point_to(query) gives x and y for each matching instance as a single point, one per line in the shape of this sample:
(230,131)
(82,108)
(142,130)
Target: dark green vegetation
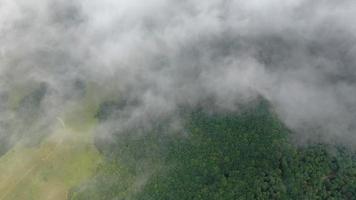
(219,156)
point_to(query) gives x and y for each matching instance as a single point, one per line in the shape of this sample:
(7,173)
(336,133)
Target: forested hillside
(234,155)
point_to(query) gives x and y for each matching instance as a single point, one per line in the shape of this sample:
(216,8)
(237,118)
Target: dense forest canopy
(243,155)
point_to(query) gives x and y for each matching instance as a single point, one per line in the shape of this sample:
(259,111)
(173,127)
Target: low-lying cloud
(299,55)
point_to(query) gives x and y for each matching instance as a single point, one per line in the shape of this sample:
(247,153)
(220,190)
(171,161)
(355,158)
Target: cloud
(297,54)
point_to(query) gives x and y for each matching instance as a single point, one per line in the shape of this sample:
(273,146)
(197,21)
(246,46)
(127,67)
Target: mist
(158,55)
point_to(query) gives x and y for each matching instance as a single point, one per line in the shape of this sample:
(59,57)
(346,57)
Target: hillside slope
(224,156)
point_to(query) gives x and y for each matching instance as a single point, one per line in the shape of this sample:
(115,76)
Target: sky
(159,54)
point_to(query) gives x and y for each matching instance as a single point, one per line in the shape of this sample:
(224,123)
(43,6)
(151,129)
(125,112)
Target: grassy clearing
(64,159)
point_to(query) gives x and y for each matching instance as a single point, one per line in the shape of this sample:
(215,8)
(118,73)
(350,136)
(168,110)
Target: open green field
(65,158)
(47,172)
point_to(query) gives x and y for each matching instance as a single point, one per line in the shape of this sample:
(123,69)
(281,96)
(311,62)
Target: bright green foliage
(221,156)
